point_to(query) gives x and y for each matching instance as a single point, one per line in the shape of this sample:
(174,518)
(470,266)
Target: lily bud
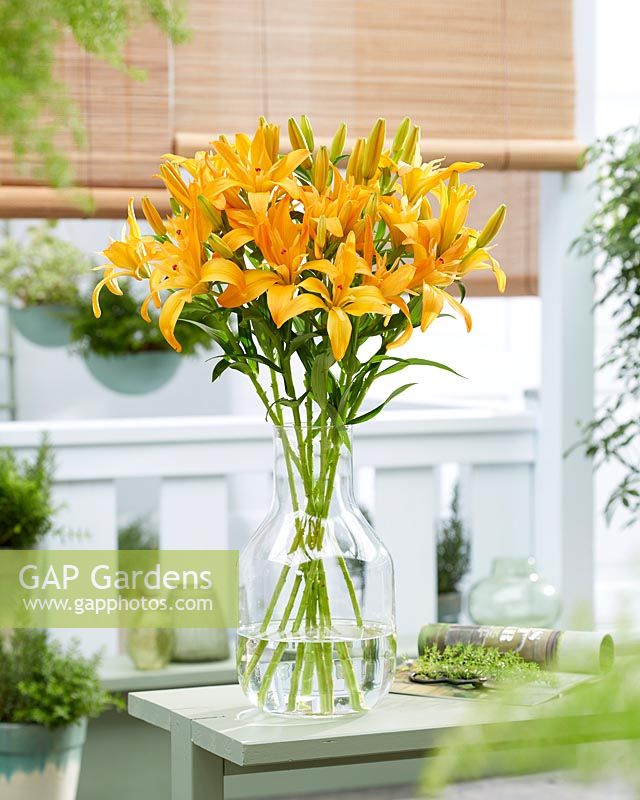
(262,121)
(401,135)
(153,218)
(307,132)
(295,135)
(373,149)
(426,212)
(337,145)
(220,247)
(272,140)
(210,211)
(490,230)
(411,145)
(321,233)
(354,164)
(454,180)
(321,169)
(371,209)
(345,213)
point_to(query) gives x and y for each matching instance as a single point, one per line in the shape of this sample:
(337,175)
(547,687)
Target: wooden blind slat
(488,80)
(491,75)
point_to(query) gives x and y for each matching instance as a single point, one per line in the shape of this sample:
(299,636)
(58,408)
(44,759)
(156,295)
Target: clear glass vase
(317,609)
(514,594)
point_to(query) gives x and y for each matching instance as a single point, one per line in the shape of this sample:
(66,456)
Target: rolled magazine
(563,651)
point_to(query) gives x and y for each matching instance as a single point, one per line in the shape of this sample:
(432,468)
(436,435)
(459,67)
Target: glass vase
(317,611)
(514,594)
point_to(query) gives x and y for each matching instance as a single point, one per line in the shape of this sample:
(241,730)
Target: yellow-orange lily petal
(339,330)
(171,310)
(297,306)
(432,303)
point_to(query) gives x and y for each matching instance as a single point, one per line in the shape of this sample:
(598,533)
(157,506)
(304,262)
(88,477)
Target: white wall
(617,105)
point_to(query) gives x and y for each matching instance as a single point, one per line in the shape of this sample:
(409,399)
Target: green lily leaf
(375,411)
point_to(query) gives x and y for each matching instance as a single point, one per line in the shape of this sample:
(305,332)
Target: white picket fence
(212,471)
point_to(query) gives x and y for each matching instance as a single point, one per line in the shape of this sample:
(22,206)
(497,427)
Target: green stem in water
(349,675)
(295,678)
(270,672)
(307,671)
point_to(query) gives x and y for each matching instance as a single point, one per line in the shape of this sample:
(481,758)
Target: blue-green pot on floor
(134,373)
(36,763)
(42,325)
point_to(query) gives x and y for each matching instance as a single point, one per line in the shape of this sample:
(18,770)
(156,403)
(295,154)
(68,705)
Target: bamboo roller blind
(490,80)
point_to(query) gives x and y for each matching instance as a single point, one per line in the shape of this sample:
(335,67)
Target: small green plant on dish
(467,662)
(121,330)
(42,270)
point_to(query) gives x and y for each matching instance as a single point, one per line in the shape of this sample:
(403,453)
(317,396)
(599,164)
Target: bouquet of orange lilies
(297,265)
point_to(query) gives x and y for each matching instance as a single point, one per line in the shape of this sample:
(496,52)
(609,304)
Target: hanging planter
(39,276)
(122,351)
(134,373)
(44,325)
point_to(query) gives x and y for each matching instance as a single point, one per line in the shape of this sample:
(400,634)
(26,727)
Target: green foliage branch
(613,233)
(34,104)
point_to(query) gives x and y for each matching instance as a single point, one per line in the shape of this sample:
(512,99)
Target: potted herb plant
(122,351)
(46,696)
(26,506)
(40,279)
(454,553)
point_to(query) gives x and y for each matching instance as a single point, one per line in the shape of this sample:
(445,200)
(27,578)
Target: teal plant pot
(45,326)
(37,763)
(136,373)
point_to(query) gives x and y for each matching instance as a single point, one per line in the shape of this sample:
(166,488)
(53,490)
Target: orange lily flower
(179,268)
(419,181)
(344,300)
(396,212)
(254,165)
(129,258)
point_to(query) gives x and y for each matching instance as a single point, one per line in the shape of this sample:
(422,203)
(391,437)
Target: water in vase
(325,673)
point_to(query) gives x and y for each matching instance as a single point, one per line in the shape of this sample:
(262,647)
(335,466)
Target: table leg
(195,773)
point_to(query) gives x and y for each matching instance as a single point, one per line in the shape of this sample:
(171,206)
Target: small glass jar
(514,594)
(150,648)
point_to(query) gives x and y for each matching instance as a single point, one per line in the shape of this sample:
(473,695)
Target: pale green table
(214,734)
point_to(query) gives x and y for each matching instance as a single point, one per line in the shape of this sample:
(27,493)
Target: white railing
(211,470)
